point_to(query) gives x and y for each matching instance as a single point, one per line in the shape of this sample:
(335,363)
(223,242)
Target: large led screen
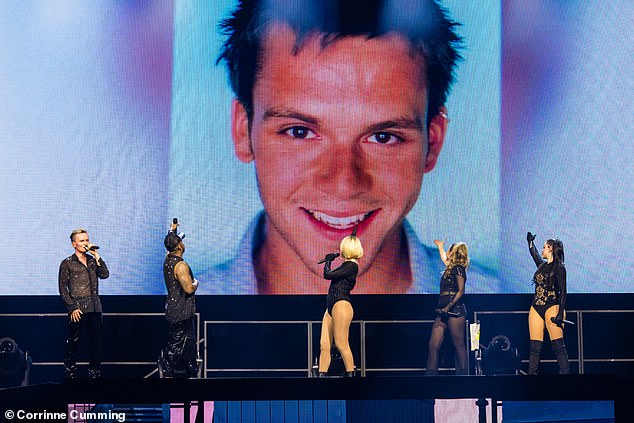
(118,116)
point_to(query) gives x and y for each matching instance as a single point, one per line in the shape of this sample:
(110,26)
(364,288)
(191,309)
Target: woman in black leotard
(547,308)
(338,316)
(451,312)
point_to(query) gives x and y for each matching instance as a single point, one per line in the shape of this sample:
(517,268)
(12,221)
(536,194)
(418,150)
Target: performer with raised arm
(339,312)
(547,308)
(78,282)
(451,312)
(180,306)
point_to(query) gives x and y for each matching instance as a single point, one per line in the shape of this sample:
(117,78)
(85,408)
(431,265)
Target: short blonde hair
(351,247)
(77,232)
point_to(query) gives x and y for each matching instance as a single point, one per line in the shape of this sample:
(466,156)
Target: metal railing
(115,363)
(579,314)
(310,353)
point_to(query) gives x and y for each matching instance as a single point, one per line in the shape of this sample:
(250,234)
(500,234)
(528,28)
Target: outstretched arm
(441,251)
(537,258)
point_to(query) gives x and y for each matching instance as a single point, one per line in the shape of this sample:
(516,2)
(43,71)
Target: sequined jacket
(79,284)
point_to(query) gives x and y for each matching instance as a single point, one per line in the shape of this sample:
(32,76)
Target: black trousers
(92,323)
(180,353)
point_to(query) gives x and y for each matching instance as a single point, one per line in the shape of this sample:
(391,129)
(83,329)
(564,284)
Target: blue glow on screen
(115,117)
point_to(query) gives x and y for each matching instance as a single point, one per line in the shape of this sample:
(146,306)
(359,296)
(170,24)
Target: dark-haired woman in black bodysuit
(547,308)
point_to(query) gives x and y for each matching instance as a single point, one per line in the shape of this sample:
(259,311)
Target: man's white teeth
(339,222)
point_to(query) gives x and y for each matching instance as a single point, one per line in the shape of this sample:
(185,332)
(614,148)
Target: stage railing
(40,340)
(418,332)
(595,343)
(589,324)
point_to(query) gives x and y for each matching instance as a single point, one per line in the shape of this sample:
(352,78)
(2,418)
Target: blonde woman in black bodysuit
(339,312)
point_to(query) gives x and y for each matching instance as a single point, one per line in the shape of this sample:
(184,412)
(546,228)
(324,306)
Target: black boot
(533,358)
(322,374)
(353,373)
(559,348)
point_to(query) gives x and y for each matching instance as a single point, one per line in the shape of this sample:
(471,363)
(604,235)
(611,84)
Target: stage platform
(501,388)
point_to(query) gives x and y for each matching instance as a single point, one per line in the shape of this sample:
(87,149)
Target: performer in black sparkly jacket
(547,308)
(451,312)
(78,283)
(338,316)
(180,354)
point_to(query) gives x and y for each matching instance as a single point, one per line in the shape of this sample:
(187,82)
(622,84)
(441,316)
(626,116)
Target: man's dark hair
(424,23)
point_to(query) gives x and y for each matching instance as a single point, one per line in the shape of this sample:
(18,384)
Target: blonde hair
(351,248)
(459,256)
(77,232)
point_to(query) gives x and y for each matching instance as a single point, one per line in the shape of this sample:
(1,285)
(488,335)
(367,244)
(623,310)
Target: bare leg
(342,313)
(325,341)
(435,341)
(554,331)
(457,330)
(535,325)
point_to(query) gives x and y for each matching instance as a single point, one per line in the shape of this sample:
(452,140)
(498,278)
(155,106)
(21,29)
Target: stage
(389,340)
(500,388)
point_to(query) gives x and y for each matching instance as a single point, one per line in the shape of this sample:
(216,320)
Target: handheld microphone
(449,313)
(568,322)
(325,259)
(92,247)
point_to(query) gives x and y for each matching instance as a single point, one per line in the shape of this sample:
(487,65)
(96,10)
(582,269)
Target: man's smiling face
(339,139)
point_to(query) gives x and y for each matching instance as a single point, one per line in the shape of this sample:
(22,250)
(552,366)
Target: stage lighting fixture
(500,357)
(15,365)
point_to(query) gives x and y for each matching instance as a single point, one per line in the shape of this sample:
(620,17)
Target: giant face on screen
(118,117)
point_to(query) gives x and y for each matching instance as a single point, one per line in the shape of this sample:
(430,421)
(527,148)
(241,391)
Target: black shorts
(458,308)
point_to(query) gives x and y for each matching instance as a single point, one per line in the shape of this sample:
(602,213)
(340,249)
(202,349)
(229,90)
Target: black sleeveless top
(179,305)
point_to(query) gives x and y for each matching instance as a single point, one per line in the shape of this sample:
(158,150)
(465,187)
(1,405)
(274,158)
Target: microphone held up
(329,257)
